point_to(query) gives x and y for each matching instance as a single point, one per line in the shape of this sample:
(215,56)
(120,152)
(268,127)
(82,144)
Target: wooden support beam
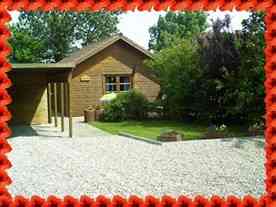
(49,102)
(68,90)
(65,100)
(58,77)
(62,105)
(55,104)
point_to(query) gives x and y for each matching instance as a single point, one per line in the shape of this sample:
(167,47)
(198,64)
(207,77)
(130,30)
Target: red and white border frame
(269,197)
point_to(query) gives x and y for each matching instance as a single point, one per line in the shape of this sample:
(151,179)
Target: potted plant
(89,114)
(98,112)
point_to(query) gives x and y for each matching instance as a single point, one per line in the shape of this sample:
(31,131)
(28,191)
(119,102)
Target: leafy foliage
(250,91)
(114,111)
(25,46)
(219,77)
(178,69)
(131,105)
(59,33)
(175,26)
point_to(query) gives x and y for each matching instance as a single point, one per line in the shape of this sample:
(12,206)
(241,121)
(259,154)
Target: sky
(135,25)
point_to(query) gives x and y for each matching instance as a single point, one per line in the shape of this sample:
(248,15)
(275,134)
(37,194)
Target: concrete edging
(255,139)
(140,138)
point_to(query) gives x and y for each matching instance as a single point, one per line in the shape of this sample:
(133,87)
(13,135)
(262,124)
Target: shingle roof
(92,49)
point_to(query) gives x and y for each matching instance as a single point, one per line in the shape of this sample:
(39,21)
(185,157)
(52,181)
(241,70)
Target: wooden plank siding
(29,94)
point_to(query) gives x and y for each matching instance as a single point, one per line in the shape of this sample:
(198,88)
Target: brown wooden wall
(119,58)
(29,97)
(145,85)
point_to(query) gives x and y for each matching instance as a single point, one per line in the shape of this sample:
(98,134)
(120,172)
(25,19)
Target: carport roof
(42,66)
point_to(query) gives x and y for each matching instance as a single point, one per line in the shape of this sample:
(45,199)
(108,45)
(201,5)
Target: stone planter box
(170,137)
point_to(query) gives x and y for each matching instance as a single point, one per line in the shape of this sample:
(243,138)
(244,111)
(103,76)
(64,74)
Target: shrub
(131,105)
(114,111)
(156,106)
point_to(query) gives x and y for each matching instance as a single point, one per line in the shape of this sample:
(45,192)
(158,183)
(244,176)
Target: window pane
(110,87)
(110,79)
(114,88)
(124,87)
(124,83)
(107,79)
(110,84)
(124,79)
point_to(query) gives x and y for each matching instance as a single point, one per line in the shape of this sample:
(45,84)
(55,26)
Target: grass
(152,129)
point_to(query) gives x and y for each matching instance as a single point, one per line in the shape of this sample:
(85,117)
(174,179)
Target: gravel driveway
(108,164)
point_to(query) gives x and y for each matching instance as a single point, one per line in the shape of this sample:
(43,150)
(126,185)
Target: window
(117,83)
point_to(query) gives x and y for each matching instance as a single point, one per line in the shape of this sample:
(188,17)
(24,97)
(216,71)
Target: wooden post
(55,104)
(65,100)
(49,101)
(62,105)
(69,109)
(117,83)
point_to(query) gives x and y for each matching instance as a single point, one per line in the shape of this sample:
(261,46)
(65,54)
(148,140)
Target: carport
(41,93)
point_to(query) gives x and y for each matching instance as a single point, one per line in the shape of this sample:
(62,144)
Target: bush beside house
(131,105)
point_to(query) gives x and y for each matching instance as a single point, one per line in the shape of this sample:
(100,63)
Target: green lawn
(152,129)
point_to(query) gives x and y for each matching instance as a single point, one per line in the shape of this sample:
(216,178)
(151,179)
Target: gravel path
(108,164)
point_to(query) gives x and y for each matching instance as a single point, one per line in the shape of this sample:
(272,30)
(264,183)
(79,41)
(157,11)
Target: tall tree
(250,93)
(220,63)
(26,48)
(219,54)
(60,32)
(175,26)
(178,70)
